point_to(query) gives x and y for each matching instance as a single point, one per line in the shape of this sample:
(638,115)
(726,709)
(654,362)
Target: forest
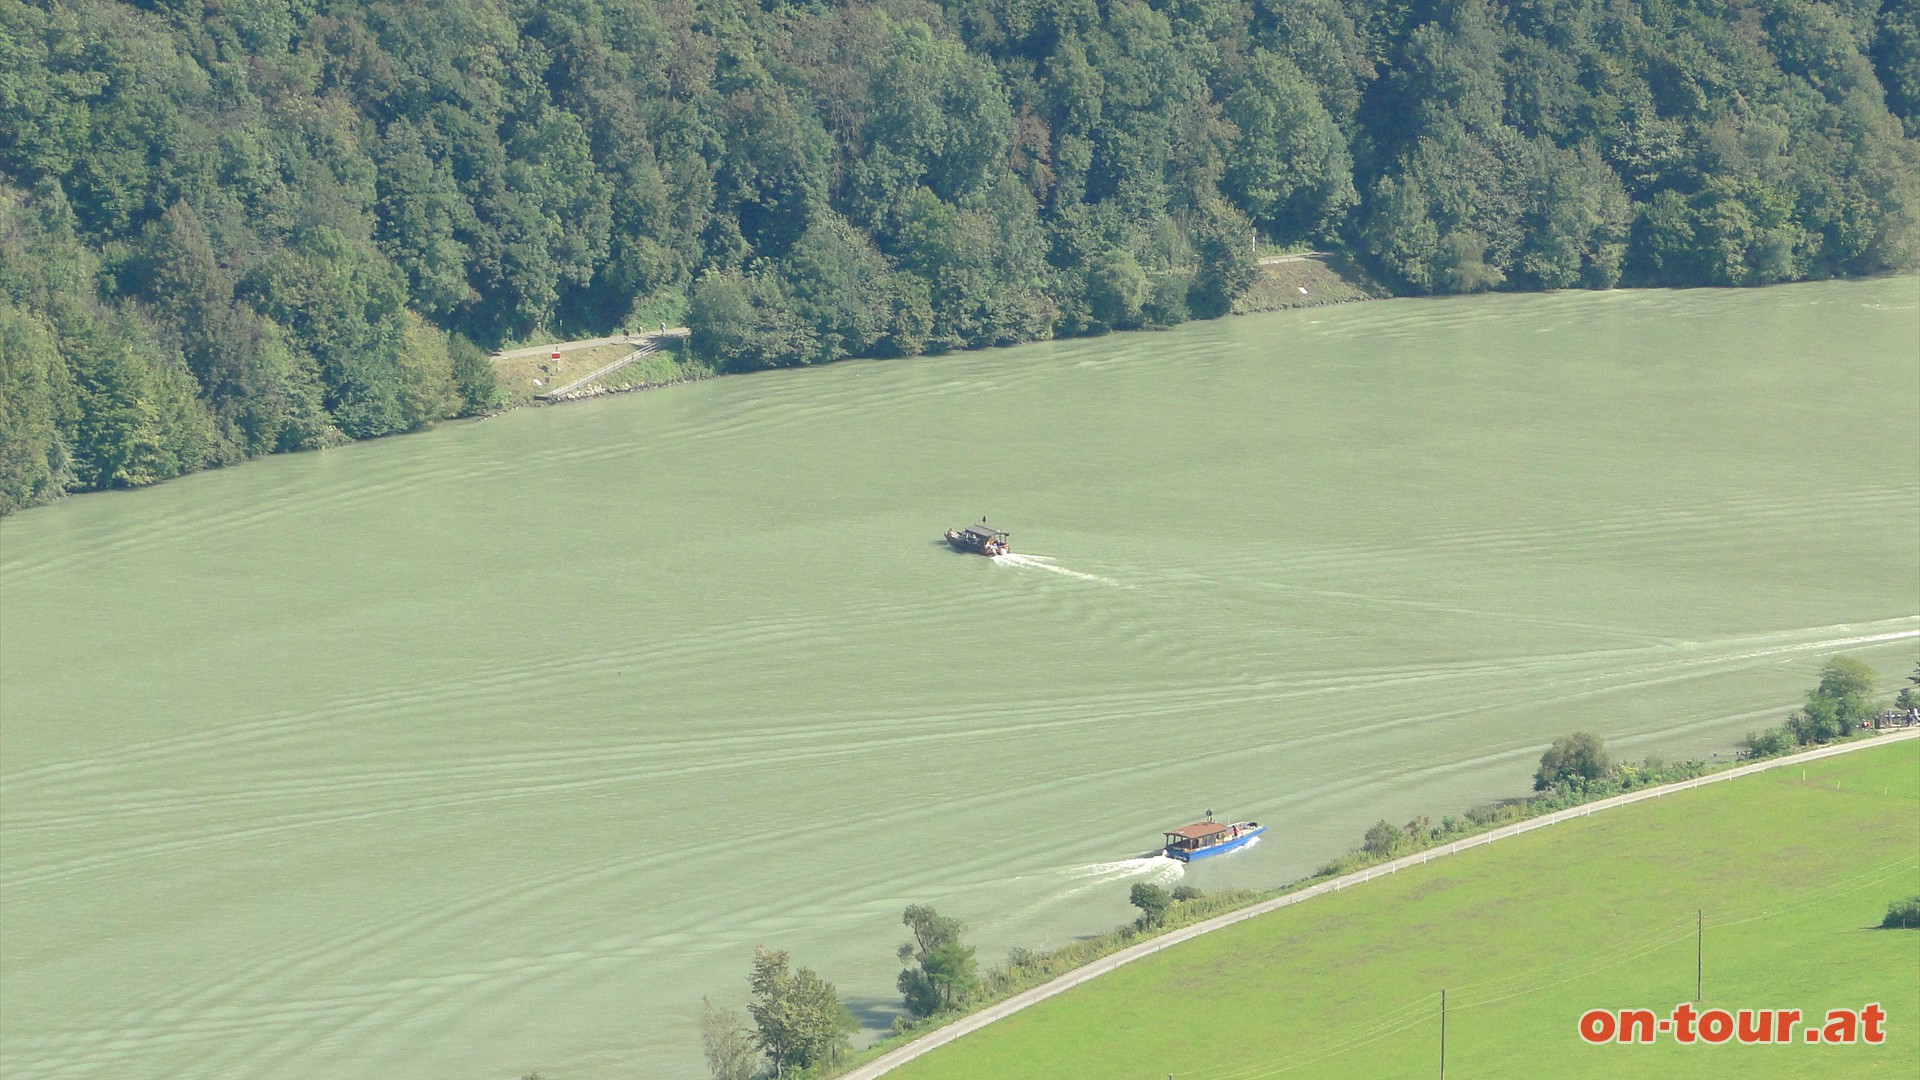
(235,227)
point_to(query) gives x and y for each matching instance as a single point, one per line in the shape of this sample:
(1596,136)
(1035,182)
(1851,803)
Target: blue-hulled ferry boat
(1204,838)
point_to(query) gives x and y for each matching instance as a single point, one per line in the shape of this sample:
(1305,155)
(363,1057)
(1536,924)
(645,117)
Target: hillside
(1790,872)
(233,228)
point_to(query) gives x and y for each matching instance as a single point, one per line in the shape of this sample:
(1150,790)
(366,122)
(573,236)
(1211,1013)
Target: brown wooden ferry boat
(981,539)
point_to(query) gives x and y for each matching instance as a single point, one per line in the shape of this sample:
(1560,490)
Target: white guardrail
(893,1059)
(645,350)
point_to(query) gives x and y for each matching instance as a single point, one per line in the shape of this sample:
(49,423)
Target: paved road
(590,343)
(1273,260)
(941,1036)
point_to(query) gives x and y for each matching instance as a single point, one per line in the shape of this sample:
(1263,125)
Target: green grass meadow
(1793,868)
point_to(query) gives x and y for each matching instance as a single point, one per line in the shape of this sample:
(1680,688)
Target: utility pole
(1699,950)
(1443,1035)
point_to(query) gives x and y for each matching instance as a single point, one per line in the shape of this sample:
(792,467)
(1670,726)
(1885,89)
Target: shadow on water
(297,668)
(873,1012)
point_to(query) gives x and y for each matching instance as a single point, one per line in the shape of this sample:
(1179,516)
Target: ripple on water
(497,748)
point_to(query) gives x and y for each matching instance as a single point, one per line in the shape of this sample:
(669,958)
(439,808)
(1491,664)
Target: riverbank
(525,375)
(1764,894)
(1314,279)
(892,1054)
(448,701)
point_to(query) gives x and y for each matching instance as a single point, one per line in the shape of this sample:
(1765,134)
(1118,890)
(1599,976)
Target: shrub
(1579,758)
(1836,708)
(1903,914)
(1769,743)
(1153,902)
(1381,838)
(1909,695)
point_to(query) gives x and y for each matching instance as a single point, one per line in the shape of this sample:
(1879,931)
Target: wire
(1416,1013)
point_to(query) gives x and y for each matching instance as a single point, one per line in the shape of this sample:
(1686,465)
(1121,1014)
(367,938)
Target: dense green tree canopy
(234,228)
(941,971)
(798,1019)
(1838,706)
(1153,901)
(1578,758)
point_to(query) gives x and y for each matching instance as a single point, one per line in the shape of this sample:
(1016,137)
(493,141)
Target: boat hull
(963,542)
(1209,852)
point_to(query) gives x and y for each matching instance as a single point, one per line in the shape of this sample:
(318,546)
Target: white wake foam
(1042,562)
(1158,868)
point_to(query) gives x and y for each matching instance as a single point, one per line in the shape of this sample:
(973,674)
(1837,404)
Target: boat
(1205,838)
(981,539)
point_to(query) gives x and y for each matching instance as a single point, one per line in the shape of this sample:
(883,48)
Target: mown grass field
(1793,868)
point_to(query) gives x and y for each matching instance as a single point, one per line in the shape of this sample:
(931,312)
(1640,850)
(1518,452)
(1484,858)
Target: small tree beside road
(1381,838)
(942,972)
(1836,709)
(1153,902)
(1579,758)
(797,1015)
(1838,706)
(728,1044)
(1769,743)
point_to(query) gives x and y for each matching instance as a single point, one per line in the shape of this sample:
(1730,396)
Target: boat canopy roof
(1199,830)
(983,529)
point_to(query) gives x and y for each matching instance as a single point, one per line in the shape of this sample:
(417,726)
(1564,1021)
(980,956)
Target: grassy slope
(1278,286)
(517,375)
(1527,934)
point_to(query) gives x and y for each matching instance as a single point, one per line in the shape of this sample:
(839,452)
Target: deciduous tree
(727,1043)
(1153,902)
(1836,708)
(798,1019)
(942,972)
(1572,759)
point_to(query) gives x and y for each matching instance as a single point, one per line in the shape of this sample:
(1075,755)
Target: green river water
(494,749)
